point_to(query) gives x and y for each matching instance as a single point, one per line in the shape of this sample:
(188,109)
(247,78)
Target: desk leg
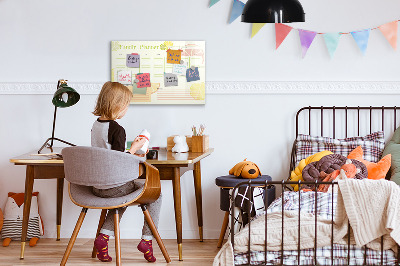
(60,190)
(176,182)
(27,206)
(197,189)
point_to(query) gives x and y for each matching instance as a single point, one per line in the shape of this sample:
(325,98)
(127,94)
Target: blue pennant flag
(361,37)
(332,41)
(213,2)
(237,9)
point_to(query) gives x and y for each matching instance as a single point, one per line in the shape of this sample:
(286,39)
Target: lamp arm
(54,126)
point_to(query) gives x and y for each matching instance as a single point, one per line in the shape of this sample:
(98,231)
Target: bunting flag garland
(361,37)
(332,41)
(281,31)
(256,27)
(237,9)
(306,39)
(389,30)
(213,2)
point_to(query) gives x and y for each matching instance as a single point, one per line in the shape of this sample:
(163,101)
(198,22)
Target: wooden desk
(171,167)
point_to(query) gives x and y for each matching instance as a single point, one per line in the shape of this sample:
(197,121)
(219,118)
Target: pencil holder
(200,143)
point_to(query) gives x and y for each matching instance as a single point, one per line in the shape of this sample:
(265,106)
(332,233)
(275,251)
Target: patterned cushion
(372,144)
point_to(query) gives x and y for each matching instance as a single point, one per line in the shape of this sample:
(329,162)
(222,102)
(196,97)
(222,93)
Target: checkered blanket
(324,206)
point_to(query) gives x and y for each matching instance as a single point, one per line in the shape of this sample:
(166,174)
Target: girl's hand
(142,155)
(137,144)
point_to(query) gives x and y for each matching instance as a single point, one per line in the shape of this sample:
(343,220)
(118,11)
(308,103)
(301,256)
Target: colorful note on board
(174,56)
(144,80)
(170,80)
(179,69)
(192,74)
(133,60)
(124,77)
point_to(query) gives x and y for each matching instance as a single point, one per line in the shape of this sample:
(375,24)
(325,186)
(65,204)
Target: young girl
(112,104)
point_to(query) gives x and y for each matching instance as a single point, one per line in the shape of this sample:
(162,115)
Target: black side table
(226,183)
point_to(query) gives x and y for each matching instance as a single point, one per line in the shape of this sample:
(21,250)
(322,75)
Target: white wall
(42,41)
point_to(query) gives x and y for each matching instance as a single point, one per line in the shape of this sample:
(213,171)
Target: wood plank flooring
(50,252)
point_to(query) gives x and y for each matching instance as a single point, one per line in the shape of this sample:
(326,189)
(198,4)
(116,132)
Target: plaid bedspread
(307,202)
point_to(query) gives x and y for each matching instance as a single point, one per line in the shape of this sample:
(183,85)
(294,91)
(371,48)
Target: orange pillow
(375,170)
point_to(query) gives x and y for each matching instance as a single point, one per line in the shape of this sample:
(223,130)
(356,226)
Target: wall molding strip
(231,87)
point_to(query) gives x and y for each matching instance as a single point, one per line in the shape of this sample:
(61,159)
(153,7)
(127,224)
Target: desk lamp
(273,11)
(64,96)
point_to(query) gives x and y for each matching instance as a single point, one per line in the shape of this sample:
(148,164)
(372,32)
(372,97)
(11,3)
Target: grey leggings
(154,208)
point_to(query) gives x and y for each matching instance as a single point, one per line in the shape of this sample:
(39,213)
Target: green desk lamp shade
(273,11)
(64,96)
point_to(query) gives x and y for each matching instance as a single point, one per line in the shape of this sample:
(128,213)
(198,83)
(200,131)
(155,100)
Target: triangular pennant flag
(256,27)
(306,39)
(237,9)
(332,41)
(213,2)
(281,31)
(361,37)
(389,30)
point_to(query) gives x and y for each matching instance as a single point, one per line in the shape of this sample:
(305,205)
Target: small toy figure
(246,169)
(180,144)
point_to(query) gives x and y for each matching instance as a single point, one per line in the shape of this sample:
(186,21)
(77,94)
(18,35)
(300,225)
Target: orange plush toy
(347,170)
(245,169)
(375,170)
(13,214)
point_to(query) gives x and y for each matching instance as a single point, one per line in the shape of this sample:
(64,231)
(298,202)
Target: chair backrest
(92,166)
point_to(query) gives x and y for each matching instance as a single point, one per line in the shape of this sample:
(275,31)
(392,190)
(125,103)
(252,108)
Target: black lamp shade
(65,96)
(273,11)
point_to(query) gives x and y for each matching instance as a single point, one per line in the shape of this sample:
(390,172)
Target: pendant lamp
(273,11)
(64,96)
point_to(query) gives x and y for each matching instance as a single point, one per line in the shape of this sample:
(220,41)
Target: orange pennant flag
(281,31)
(389,30)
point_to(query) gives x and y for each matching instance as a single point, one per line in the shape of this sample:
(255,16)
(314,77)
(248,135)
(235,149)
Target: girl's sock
(101,245)
(146,247)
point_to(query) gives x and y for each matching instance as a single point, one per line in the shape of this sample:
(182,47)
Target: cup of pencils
(199,140)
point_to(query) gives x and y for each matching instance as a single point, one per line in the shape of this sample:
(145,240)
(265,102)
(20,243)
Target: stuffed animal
(13,215)
(375,170)
(180,144)
(245,169)
(348,170)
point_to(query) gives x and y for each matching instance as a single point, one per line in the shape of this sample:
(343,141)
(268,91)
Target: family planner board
(160,72)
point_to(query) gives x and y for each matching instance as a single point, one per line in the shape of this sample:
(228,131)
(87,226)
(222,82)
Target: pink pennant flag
(306,39)
(281,31)
(389,30)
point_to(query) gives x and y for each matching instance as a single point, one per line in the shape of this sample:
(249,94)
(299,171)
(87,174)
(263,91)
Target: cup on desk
(152,155)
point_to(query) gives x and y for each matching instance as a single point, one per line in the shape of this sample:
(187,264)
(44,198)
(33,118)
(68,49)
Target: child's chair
(85,167)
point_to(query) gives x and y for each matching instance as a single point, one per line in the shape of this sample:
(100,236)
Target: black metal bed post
(283,211)
(333,192)
(298,238)
(266,220)
(315,221)
(249,220)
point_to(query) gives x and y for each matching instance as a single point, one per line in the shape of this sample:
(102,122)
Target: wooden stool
(226,183)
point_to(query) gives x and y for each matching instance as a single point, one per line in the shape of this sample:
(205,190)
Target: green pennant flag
(213,2)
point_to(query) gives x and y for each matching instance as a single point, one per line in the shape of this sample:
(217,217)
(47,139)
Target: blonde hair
(112,99)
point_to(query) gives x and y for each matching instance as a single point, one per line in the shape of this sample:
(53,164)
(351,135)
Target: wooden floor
(50,252)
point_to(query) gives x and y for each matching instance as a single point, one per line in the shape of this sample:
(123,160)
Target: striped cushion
(13,228)
(372,145)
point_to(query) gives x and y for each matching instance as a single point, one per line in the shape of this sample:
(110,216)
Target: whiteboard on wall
(160,72)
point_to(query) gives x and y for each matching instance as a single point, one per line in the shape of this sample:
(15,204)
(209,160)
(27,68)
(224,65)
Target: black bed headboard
(344,121)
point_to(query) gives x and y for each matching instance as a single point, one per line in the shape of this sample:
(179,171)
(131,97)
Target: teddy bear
(13,215)
(245,169)
(180,144)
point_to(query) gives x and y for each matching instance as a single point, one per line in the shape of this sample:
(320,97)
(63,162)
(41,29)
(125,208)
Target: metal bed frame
(283,184)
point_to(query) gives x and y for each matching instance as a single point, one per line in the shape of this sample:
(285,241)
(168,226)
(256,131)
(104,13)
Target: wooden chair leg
(154,230)
(117,238)
(223,229)
(73,237)
(101,222)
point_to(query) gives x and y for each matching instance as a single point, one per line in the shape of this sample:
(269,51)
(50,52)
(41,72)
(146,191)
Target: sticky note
(133,60)
(170,80)
(179,69)
(144,80)
(174,56)
(125,77)
(192,75)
